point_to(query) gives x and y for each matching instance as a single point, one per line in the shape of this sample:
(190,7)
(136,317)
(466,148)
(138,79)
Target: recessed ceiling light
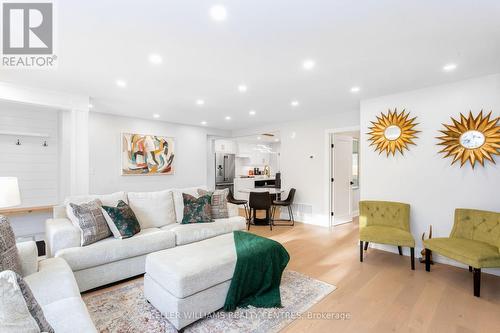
(276,140)
(252,112)
(355,89)
(258,138)
(155,59)
(203,122)
(449,67)
(218,13)
(242,88)
(294,103)
(91,106)
(227,118)
(156,116)
(121,83)
(200,102)
(308,64)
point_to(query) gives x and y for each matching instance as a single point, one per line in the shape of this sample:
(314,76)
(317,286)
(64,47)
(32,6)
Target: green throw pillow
(197,210)
(121,220)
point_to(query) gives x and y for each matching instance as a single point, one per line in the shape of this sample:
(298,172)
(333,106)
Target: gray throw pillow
(218,202)
(19,310)
(91,221)
(9,257)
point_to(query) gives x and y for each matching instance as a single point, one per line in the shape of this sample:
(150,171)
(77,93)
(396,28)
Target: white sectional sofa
(110,260)
(55,289)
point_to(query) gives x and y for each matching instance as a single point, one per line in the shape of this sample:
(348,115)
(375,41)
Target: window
(355,164)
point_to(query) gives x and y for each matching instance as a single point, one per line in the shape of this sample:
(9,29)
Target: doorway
(344,176)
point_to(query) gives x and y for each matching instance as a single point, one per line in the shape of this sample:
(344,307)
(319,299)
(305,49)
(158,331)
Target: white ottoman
(186,283)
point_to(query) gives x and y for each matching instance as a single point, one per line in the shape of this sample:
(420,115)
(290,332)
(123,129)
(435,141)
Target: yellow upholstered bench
(474,241)
(385,222)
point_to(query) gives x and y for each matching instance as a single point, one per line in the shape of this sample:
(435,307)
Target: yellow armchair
(474,241)
(385,222)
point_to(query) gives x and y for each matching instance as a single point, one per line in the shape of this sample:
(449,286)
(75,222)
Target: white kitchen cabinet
(240,184)
(225,146)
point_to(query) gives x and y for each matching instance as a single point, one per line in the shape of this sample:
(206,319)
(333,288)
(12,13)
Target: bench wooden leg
(470,268)
(428,260)
(361,251)
(400,250)
(366,245)
(477,281)
(412,255)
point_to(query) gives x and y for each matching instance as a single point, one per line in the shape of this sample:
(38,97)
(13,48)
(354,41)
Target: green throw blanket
(259,265)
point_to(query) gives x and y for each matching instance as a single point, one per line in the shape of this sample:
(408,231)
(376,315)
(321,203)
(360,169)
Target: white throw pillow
(179,200)
(14,312)
(106,199)
(153,209)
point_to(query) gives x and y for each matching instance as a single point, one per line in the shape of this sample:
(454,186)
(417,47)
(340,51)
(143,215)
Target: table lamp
(9,192)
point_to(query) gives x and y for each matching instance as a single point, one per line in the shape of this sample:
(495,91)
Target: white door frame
(329,156)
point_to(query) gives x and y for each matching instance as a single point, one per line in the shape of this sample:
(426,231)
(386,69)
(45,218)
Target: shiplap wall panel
(36,166)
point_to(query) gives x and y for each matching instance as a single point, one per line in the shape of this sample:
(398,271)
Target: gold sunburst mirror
(472,139)
(393,132)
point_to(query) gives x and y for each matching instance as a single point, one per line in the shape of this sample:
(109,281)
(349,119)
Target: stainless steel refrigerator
(224,171)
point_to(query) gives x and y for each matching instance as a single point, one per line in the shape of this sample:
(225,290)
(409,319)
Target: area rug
(125,309)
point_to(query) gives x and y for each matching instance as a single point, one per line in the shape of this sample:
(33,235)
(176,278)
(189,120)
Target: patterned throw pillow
(196,210)
(19,310)
(91,222)
(122,220)
(218,202)
(9,257)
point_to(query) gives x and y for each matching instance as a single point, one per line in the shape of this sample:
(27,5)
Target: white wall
(301,140)
(105,154)
(35,166)
(421,177)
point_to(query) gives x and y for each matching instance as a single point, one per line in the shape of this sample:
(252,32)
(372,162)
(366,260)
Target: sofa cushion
(386,235)
(179,200)
(121,220)
(91,221)
(204,264)
(153,209)
(19,310)
(53,281)
(106,199)
(473,253)
(9,257)
(69,315)
(218,202)
(112,249)
(14,313)
(190,233)
(196,210)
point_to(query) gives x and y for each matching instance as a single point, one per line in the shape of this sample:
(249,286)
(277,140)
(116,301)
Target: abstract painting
(147,154)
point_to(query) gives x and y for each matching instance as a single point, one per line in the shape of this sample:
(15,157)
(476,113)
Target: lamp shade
(9,192)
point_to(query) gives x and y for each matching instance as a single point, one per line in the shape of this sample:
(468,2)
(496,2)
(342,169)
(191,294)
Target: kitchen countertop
(257,177)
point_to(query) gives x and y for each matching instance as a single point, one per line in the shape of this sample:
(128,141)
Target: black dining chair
(237,202)
(288,202)
(260,201)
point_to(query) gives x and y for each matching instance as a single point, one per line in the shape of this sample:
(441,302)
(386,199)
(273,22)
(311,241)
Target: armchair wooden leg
(428,260)
(412,255)
(366,245)
(477,281)
(361,251)
(400,250)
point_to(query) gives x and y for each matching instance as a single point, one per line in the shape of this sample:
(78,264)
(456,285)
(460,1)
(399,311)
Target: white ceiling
(382,46)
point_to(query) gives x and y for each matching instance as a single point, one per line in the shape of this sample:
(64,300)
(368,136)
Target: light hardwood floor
(382,294)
